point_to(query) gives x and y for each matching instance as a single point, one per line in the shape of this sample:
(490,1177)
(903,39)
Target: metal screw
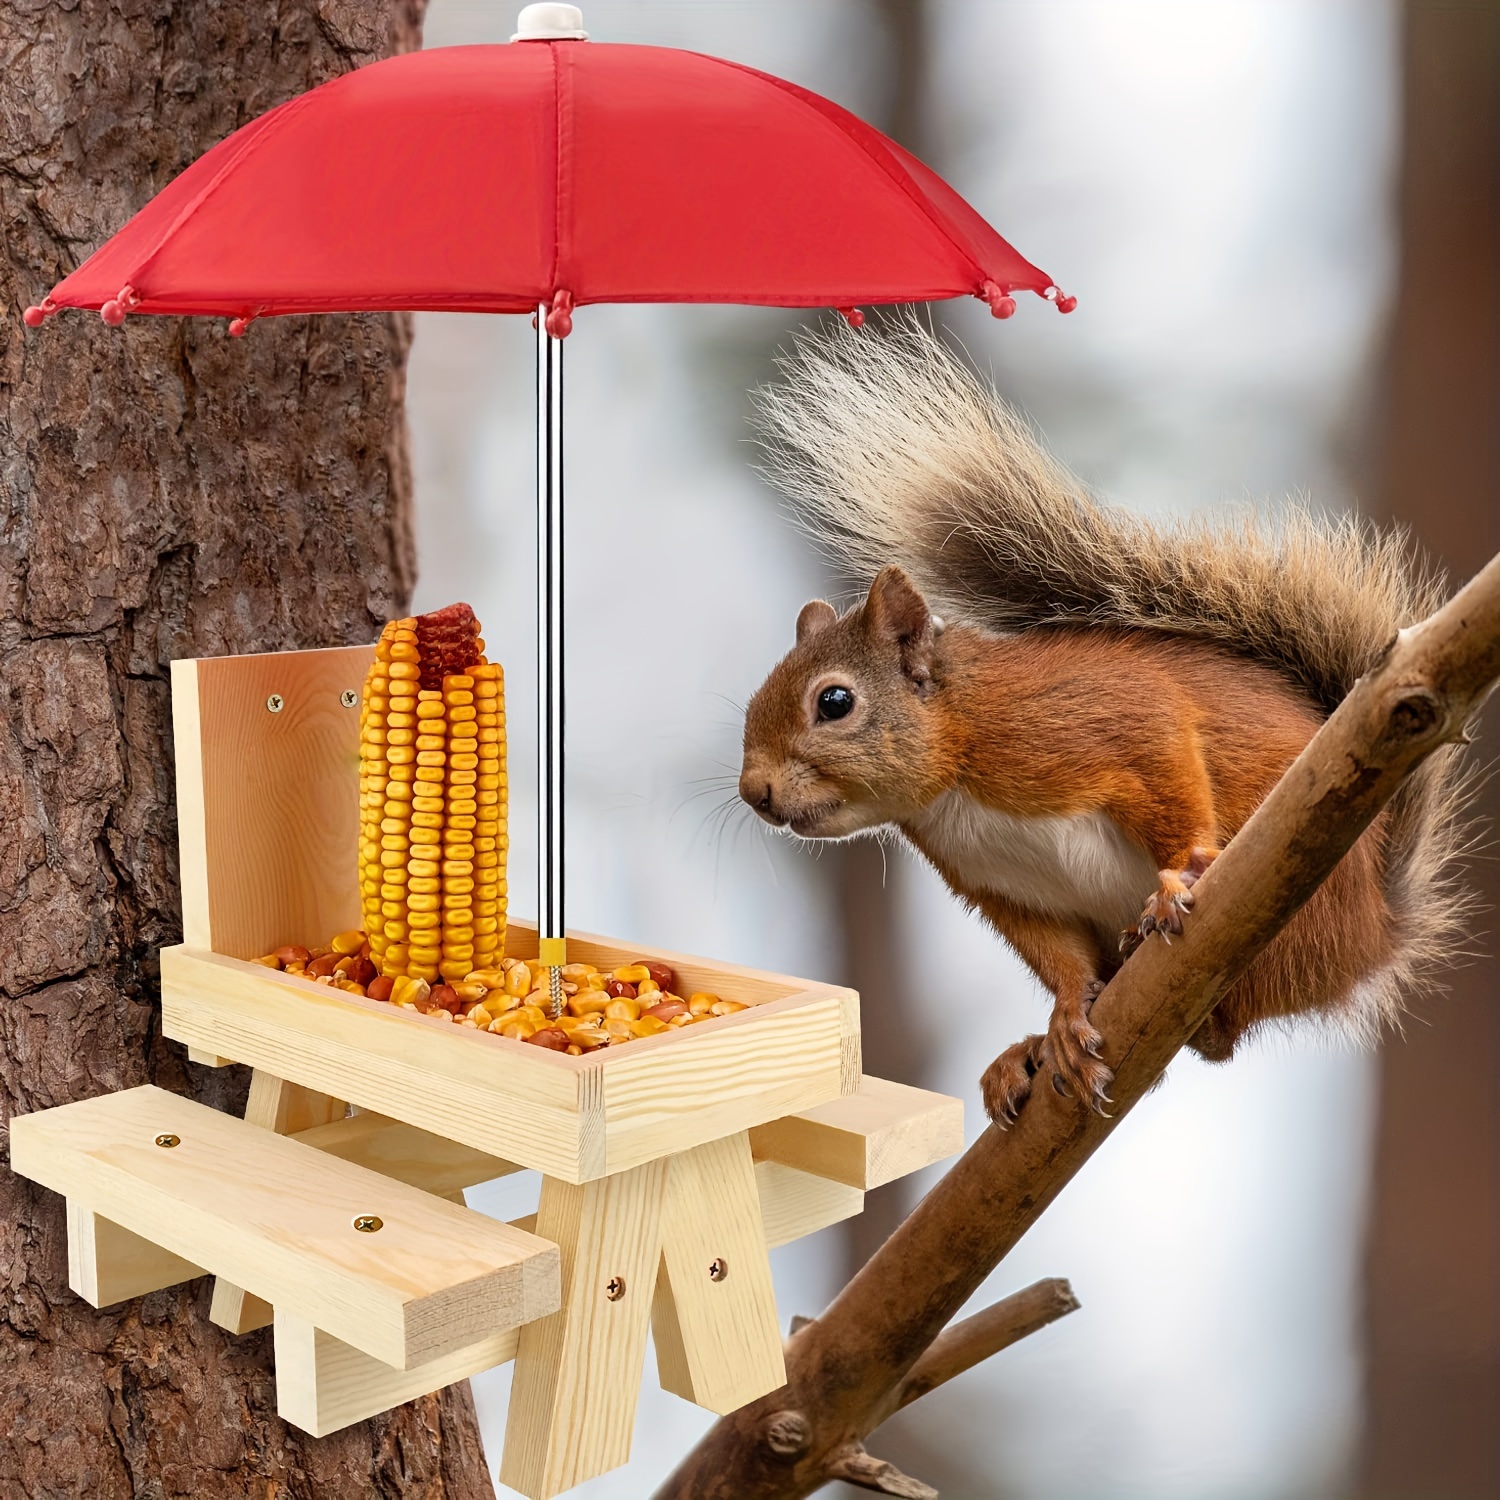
(368,1223)
(168,1140)
(349,698)
(614,1288)
(275,703)
(718,1268)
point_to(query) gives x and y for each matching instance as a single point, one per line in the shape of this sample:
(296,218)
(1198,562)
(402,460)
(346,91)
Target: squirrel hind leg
(1067,1056)
(1071,1054)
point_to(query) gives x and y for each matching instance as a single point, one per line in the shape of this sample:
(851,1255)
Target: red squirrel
(1095,711)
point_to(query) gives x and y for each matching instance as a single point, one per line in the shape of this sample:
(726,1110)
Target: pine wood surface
(578,1372)
(717,1341)
(107,1264)
(324,1384)
(572,1118)
(273,1104)
(794,1204)
(395,1149)
(268,806)
(278,1218)
(884,1131)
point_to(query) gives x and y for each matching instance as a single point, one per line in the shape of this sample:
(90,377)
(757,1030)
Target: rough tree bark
(165,492)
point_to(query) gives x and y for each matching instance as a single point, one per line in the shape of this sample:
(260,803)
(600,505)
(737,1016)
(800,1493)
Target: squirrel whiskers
(1111,699)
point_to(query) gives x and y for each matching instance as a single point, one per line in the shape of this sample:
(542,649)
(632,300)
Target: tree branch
(843,1368)
(966,1344)
(854,1466)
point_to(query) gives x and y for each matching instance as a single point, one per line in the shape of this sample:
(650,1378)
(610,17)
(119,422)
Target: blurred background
(1280,219)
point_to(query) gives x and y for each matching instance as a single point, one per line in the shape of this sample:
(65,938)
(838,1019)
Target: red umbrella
(539,178)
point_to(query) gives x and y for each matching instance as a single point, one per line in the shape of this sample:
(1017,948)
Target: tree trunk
(1432,1313)
(166,492)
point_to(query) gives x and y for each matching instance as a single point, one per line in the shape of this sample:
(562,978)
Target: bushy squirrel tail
(892,450)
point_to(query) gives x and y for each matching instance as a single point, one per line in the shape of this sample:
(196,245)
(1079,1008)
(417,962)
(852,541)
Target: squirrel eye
(834,702)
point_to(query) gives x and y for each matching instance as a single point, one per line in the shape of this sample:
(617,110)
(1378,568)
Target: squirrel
(1069,710)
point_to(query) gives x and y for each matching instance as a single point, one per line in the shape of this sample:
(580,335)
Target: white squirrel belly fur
(1079,867)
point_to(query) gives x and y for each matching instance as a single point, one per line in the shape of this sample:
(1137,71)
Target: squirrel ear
(816,615)
(895,611)
(896,614)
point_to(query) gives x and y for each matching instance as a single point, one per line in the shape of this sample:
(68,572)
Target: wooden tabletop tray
(576,1118)
(267,786)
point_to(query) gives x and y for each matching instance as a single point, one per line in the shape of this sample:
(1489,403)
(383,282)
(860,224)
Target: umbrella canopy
(497,178)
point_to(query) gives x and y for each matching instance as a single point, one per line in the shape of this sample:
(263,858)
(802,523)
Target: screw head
(718,1268)
(275,703)
(349,698)
(368,1223)
(614,1288)
(167,1139)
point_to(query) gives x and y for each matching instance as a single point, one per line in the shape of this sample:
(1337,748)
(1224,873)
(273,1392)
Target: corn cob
(432,800)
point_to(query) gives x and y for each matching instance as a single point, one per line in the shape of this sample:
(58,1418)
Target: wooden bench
(161,1189)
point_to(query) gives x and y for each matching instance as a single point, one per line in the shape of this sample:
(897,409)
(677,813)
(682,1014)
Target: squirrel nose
(756,790)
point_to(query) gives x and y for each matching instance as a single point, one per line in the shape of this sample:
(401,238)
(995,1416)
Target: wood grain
(885,1131)
(794,1204)
(324,1384)
(108,1264)
(717,1339)
(268,808)
(578,1372)
(273,1104)
(572,1118)
(277,1217)
(394,1149)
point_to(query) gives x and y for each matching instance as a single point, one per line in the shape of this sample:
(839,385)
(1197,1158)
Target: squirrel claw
(1073,1052)
(1007,1081)
(1166,909)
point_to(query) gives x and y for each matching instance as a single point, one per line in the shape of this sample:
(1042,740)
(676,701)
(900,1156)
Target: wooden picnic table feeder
(334,1210)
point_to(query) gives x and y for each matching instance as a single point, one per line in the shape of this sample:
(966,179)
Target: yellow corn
(432,839)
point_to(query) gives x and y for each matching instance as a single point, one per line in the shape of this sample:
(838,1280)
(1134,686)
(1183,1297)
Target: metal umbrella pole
(551,947)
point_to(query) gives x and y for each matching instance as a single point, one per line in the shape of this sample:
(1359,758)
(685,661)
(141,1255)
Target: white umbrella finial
(550,23)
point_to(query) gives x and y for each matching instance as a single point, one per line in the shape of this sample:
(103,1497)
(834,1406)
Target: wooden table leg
(274,1104)
(107,1263)
(578,1372)
(714,1314)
